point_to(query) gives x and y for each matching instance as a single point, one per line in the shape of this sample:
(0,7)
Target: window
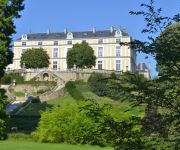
(99,65)
(100,41)
(55,42)
(100,51)
(69,42)
(118,51)
(118,65)
(55,53)
(24,50)
(54,65)
(23,43)
(118,41)
(40,43)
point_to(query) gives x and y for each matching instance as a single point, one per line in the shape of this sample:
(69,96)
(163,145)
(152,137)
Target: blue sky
(79,15)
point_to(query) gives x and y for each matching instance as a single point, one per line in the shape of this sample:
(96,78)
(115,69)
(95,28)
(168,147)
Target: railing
(65,71)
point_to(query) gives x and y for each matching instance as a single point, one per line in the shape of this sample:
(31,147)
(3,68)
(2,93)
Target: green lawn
(19,94)
(27,124)
(125,108)
(28,145)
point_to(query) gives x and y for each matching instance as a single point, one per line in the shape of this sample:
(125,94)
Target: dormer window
(69,35)
(23,43)
(39,43)
(100,41)
(24,37)
(55,42)
(118,33)
(69,42)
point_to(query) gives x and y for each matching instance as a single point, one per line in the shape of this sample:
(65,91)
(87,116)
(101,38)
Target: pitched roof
(76,35)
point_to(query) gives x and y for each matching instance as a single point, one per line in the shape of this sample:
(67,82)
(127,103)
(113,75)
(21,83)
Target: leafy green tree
(162,93)
(168,51)
(3,115)
(81,55)
(9,10)
(35,58)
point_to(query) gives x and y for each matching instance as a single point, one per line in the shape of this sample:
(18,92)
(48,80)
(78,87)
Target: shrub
(47,83)
(87,122)
(9,77)
(73,91)
(3,115)
(6,80)
(42,91)
(68,123)
(98,84)
(35,100)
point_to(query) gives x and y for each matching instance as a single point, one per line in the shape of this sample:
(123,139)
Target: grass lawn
(122,110)
(125,108)
(19,94)
(28,145)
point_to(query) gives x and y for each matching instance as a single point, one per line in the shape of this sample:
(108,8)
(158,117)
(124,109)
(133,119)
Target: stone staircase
(57,91)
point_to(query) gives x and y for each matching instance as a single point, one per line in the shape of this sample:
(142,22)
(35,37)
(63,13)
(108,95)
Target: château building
(144,70)
(110,55)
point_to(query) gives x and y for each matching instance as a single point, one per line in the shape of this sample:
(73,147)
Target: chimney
(65,31)
(94,30)
(112,29)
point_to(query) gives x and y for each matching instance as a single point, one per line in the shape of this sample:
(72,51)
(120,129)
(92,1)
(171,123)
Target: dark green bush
(6,80)
(3,115)
(47,83)
(156,143)
(113,85)
(68,124)
(9,77)
(98,84)
(35,100)
(73,91)
(87,122)
(42,91)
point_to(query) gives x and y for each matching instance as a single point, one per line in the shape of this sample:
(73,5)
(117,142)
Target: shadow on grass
(27,121)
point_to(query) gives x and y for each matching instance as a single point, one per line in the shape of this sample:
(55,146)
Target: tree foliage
(116,86)
(35,58)
(162,93)
(88,122)
(3,115)
(81,55)
(9,10)
(168,51)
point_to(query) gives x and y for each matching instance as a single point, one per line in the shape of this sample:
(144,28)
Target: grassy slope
(28,145)
(124,108)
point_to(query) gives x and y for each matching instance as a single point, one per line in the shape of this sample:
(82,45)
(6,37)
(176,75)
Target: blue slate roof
(76,35)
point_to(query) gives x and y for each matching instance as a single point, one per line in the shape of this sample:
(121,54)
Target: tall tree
(35,58)
(81,55)
(9,10)
(162,43)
